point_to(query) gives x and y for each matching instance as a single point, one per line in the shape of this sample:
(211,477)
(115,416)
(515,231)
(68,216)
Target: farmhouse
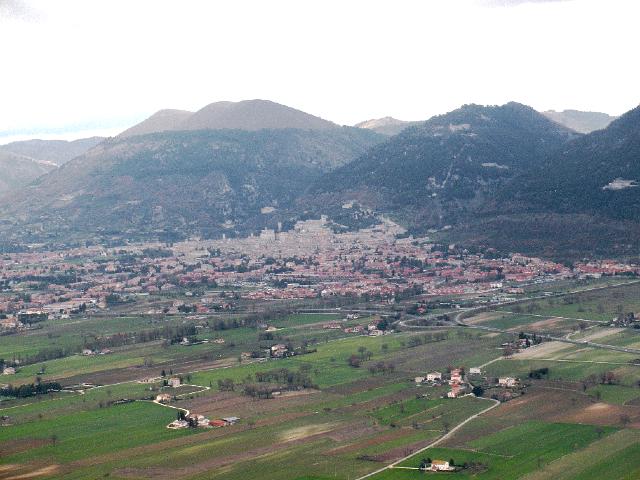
(199,420)
(279,350)
(9,371)
(354,329)
(163,397)
(434,376)
(178,424)
(456,376)
(420,379)
(507,382)
(174,382)
(149,380)
(456,391)
(440,466)
(475,371)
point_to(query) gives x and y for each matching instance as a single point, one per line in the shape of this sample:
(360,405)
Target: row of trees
(29,390)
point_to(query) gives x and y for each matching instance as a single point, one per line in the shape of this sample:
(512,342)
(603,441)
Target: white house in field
(174,382)
(440,466)
(475,371)
(507,382)
(434,376)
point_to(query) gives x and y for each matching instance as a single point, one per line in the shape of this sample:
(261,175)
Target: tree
(446,425)
(625,420)
(226,385)
(54,439)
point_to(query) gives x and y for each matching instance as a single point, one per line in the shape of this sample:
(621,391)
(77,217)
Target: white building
(434,376)
(163,397)
(507,381)
(441,466)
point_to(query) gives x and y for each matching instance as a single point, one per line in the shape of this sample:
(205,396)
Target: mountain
(581,200)
(386,125)
(597,174)
(56,151)
(16,171)
(248,115)
(160,121)
(204,182)
(253,115)
(582,122)
(446,169)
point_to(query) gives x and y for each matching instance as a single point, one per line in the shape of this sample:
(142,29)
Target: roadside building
(163,397)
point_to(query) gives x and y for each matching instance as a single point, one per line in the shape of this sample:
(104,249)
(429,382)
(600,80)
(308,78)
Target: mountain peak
(253,115)
(250,115)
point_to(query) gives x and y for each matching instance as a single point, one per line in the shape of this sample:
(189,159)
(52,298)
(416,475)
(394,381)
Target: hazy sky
(74,68)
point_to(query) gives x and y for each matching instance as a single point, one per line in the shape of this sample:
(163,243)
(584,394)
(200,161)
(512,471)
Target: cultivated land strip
(435,442)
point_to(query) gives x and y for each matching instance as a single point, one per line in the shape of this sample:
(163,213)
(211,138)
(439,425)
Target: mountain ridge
(248,115)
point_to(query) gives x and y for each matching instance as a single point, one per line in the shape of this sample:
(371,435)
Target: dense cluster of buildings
(310,261)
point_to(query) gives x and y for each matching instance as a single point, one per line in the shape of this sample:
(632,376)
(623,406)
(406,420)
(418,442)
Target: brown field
(127,374)
(369,442)
(20,472)
(603,414)
(545,325)
(223,404)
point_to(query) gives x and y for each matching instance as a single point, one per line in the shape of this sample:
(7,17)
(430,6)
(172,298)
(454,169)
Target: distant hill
(16,171)
(204,182)
(445,169)
(158,122)
(248,115)
(582,122)
(56,151)
(386,125)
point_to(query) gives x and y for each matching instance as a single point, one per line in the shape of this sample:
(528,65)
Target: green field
(73,436)
(507,454)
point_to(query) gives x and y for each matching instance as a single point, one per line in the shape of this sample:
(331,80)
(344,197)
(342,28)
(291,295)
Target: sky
(75,68)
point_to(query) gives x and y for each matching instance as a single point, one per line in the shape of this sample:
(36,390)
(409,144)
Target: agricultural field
(590,304)
(507,454)
(357,410)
